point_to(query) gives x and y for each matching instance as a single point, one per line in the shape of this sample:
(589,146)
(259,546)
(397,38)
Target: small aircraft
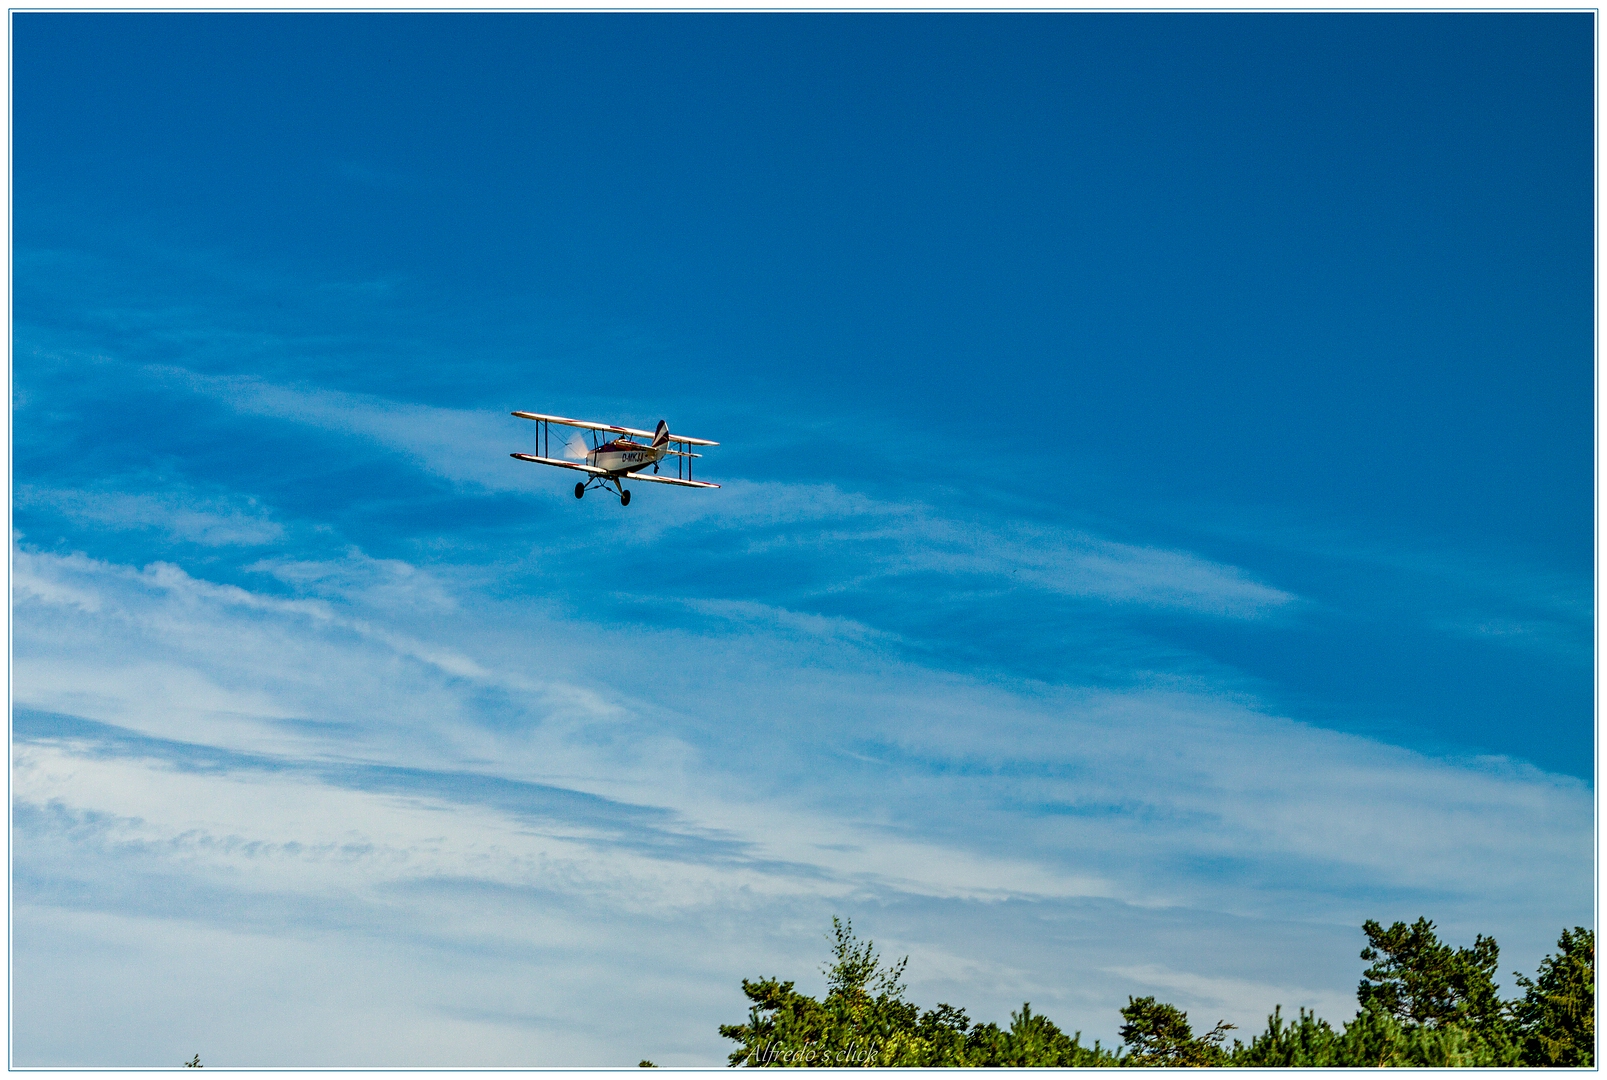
(618,458)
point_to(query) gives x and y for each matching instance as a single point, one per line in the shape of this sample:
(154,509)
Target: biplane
(618,459)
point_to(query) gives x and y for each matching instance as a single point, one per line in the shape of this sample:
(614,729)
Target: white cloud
(471,448)
(1475,595)
(1562,639)
(769,766)
(467,448)
(756,788)
(215,521)
(380,583)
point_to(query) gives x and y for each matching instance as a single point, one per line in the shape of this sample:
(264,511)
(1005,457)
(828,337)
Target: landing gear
(603,482)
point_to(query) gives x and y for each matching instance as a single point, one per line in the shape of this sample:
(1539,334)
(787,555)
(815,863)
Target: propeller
(575,449)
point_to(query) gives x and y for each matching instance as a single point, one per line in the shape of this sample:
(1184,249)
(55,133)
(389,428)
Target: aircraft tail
(661,435)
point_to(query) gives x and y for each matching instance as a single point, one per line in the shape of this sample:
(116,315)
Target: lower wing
(595,471)
(650,478)
(592,469)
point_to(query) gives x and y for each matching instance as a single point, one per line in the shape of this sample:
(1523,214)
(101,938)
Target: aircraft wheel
(580,490)
(624,498)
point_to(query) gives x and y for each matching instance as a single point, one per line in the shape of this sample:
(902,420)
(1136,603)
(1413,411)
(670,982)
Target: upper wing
(689,441)
(592,469)
(666,480)
(609,427)
(581,423)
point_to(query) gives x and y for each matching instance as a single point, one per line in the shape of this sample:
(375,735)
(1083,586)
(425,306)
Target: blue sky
(1156,529)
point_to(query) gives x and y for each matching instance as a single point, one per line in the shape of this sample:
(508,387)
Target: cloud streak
(470,449)
(180,515)
(426,725)
(363,755)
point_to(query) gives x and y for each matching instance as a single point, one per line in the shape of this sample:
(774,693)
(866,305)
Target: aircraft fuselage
(620,457)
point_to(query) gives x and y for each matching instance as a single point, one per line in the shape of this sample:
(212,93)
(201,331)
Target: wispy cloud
(465,447)
(471,448)
(1557,639)
(351,752)
(213,521)
(379,582)
(524,768)
(1464,593)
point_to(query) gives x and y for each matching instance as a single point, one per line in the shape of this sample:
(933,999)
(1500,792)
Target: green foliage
(1032,1041)
(193,1063)
(1307,1042)
(1556,1017)
(865,1021)
(1374,1039)
(645,1064)
(1424,1004)
(1159,1034)
(1429,1005)
(1422,982)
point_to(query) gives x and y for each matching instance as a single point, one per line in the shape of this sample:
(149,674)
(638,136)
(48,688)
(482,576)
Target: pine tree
(1421,981)
(1557,1015)
(1159,1034)
(1423,1004)
(863,1020)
